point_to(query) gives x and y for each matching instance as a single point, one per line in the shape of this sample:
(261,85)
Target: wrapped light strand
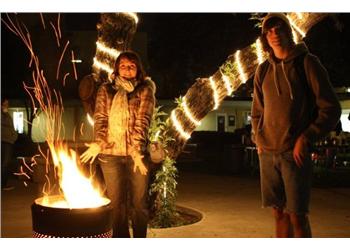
(242,75)
(188,113)
(109,51)
(227,83)
(178,126)
(259,51)
(215,93)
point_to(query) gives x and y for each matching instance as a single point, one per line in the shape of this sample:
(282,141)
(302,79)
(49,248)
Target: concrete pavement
(230,206)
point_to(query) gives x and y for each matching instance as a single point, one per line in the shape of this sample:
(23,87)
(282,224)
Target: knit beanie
(274,15)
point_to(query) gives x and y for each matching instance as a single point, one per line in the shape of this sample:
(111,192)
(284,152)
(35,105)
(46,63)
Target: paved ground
(230,206)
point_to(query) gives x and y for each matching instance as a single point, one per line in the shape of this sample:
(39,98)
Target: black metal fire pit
(51,222)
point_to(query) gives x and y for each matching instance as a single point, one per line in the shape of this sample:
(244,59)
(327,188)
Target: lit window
(18,121)
(345,122)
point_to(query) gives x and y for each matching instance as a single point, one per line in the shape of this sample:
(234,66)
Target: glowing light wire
(227,84)
(299,15)
(178,126)
(188,112)
(133,15)
(259,51)
(102,66)
(242,75)
(215,93)
(295,36)
(302,33)
(103,48)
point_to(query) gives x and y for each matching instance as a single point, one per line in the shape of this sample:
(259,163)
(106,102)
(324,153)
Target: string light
(240,67)
(188,113)
(178,126)
(102,66)
(302,33)
(259,51)
(133,15)
(227,83)
(299,15)
(215,93)
(111,52)
(295,36)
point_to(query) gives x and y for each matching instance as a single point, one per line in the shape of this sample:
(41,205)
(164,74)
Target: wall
(77,127)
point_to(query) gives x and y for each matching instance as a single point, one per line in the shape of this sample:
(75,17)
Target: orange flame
(78,190)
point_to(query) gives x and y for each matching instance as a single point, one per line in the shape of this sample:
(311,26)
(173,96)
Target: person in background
(122,117)
(8,138)
(284,124)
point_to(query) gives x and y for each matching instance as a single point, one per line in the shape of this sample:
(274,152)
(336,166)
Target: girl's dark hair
(133,57)
(270,23)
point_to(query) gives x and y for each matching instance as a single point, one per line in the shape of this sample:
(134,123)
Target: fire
(78,190)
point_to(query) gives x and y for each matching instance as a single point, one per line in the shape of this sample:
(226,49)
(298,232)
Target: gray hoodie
(282,109)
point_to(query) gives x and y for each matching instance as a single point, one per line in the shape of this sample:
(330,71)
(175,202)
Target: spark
(188,112)
(26,165)
(81,129)
(17,30)
(178,126)
(56,34)
(74,68)
(59,63)
(215,93)
(33,157)
(22,173)
(240,67)
(58,24)
(64,79)
(42,20)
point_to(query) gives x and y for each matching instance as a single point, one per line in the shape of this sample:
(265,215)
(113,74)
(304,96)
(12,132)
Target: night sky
(180,47)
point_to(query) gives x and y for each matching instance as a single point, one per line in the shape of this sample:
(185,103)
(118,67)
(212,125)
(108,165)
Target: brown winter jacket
(141,106)
(283,107)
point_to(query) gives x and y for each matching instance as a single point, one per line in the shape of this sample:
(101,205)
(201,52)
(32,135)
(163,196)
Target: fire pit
(56,221)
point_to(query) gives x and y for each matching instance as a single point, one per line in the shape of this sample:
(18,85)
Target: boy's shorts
(283,183)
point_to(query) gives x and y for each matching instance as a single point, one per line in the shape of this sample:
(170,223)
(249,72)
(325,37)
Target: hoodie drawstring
(289,85)
(275,79)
